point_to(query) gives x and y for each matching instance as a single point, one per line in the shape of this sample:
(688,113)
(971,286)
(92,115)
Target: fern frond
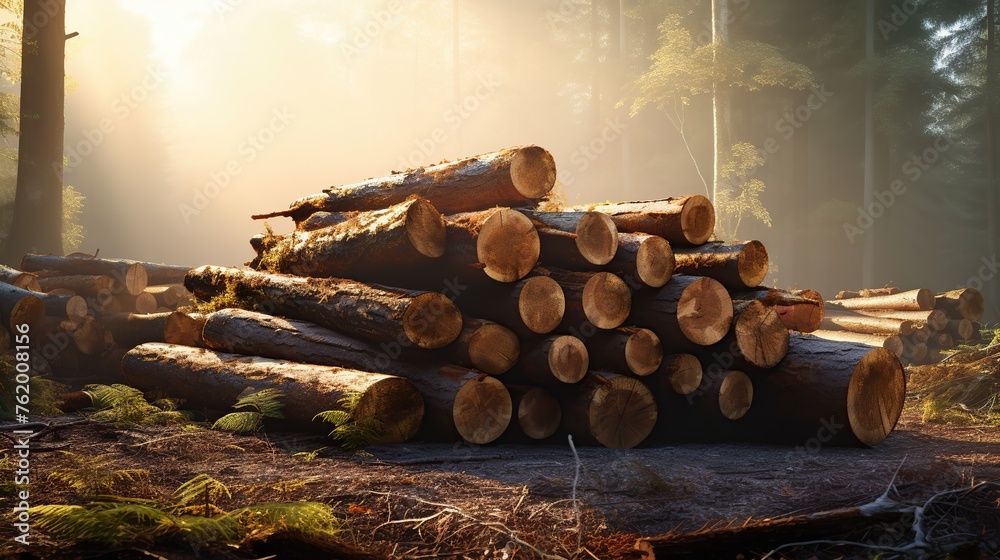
(239,422)
(198,487)
(267,401)
(357,435)
(335,417)
(309,518)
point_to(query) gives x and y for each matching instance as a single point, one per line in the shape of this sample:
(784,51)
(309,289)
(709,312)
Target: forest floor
(427,500)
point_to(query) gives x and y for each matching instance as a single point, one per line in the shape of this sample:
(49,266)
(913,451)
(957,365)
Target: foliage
(44,392)
(264,403)
(742,160)
(121,404)
(72,230)
(92,476)
(227,299)
(351,433)
(7,486)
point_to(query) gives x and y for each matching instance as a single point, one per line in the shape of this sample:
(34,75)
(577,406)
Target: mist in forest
(186,117)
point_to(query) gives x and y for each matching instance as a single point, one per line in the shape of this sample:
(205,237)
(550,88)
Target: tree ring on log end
(705,311)
(568,359)
(494,349)
(761,336)
(655,261)
(136,279)
(508,245)
(643,352)
(697,219)
(425,228)
(538,413)
(541,304)
(28,310)
(533,171)
(432,320)
(482,410)
(687,374)
(607,300)
(622,413)
(397,406)
(735,395)
(752,264)
(875,396)
(597,238)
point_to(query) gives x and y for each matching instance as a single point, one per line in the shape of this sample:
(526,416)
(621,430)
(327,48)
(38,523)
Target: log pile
(456,288)
(919,326)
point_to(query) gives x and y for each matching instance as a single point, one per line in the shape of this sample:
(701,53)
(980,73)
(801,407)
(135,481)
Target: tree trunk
(84,285)
(960,328)
(185,329)
(205,378)
(721,121)
(499,244)
(678,373)
(848,394)
(552,362)
(19,307)
(683,221)
(486,346)
(712,412)
(935,318)
(165,296)
(321,220)
(143,303)
(575,239)
(463,403)
(130,329)
(538,413)
(757,340)
(510,177)
(868,292)
(913,300)
(73,308)
(23,280)
(856,322)
(643,259)
(800,310)
(427,319)
(625,350)
(736,265)
(966,303)
(892,343)
(129,274)
(689,308)
(611,410)
(38,207)
(380,246)
(593,299)
(535,305)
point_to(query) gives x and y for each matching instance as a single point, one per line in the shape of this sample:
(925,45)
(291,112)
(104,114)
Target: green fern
(200,488)
(121,404)
(351,433)
(265,403)
(44,392)
(94,475)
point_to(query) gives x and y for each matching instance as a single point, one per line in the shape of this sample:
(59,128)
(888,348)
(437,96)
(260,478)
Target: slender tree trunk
(720,96)
(37,223)
(992,126)
(868,262)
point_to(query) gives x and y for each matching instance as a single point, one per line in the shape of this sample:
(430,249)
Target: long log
(18,306)
(426,319)
(839,392)
(552,362)
(892,343)
(538,413)
(205,378)
(868,292)
(854,322)
(131,329)
(711,413)
(380,245)
(625,350)
(73,308)
(535,305)
(460,403)
(757,340)
(736,265)
(966,303)
(80,284)
(499,244)
(913,300)
(23,280)
(683,221)
(185,329)
(510,177)
(575,239)
(601,299)
(800,310)
(687,309)
(934,318)
(611,410)
(130,274)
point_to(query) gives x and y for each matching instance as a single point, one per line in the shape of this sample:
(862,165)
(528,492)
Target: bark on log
(205,378)
(683,221)
(893,343)
(800,310)
(80,284)
(486,346)
(130,329)
(499,244)
(427,319)
(535,305)
(130,274)
(380,246)
(23,280)
(321,220)
(600,299)
(185,329)
(625,350)
(935,318)
(611,410)
(689,308)
(73,308)
(539,414)
(757,340)
(851,393)
(643,259)
(869,292)
(18,306)
(736,265)
(839,320)
(510,177)
(552,362)
(913,300)
(966,303)
(575,239)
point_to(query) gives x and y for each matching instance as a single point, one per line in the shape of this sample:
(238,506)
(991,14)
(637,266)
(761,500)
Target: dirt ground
(424,500)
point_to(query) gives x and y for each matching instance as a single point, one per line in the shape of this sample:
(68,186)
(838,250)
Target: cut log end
(432,320)
(425,228)
(397,406)
(533,171)
(597,238)
(494,349)
(761,335)
(622,413)
(538,413)
(752,264)
(607,300)
(698,219)
(735,395)
(482,410)
(28,310)
(705,311)
(508,245)
(643,352)
(541,304)
(136,279)
(875,396)
(185,329)
(568,359)
(655,261)
(685,373)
